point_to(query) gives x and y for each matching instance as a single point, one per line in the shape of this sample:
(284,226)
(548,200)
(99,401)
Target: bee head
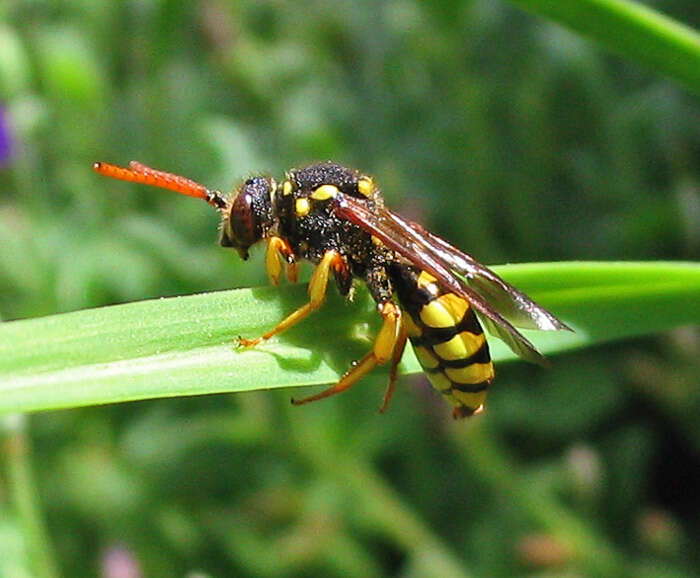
(248,216)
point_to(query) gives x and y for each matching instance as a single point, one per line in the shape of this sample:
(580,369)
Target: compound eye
(243,219)
(250,215)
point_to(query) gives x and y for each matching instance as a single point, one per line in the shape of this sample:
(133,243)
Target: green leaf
(632,30)
(185,345)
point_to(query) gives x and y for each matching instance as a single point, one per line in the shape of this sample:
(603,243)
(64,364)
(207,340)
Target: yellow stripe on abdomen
(472,374)
(451,347)
(473,401)
(434,314)
(426,357)
(461,346)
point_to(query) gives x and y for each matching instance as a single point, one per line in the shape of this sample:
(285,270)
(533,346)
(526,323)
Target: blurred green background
(509,135)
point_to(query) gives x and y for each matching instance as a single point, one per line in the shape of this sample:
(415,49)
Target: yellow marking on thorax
(412,330)
(460,346)
(426,358)
(302,207)
(325,192)
(428,283)
(435,314)
(287,188)
(425,279)
(474,373)
(365,186)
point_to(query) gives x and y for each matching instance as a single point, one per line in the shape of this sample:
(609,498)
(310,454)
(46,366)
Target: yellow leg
(332,260)
(293,272)
(277,248)
(384,345)
(393,373)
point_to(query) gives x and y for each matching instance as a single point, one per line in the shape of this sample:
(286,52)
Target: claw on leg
(245,343)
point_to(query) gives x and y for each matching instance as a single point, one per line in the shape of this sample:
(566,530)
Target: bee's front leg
(278,249)
(331,261)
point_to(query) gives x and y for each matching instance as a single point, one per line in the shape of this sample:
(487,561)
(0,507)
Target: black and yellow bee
(335,217)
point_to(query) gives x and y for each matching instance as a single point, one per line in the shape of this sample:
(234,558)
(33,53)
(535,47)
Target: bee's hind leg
(390,340)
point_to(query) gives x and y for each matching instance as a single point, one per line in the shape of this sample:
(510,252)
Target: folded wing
(501,307)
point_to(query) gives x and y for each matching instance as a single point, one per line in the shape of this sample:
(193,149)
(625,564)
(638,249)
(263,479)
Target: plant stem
(25,497)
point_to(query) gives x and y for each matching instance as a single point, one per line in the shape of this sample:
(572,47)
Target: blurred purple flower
(119,562)
(5,139)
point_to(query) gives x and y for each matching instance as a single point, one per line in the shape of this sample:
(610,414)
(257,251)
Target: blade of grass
(24,495)
(185,345)
(631,30)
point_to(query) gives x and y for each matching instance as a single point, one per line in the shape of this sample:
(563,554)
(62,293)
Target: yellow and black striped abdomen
(447,339)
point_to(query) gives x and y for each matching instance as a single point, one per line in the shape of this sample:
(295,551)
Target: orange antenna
(140,173)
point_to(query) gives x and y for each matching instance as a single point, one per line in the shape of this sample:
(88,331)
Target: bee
(427,291)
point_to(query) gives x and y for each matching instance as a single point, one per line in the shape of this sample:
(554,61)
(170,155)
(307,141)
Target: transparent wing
(500,306)
(513,304)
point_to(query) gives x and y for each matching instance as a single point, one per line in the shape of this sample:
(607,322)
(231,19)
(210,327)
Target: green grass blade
(23,494)
(631,30)
(185,345)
